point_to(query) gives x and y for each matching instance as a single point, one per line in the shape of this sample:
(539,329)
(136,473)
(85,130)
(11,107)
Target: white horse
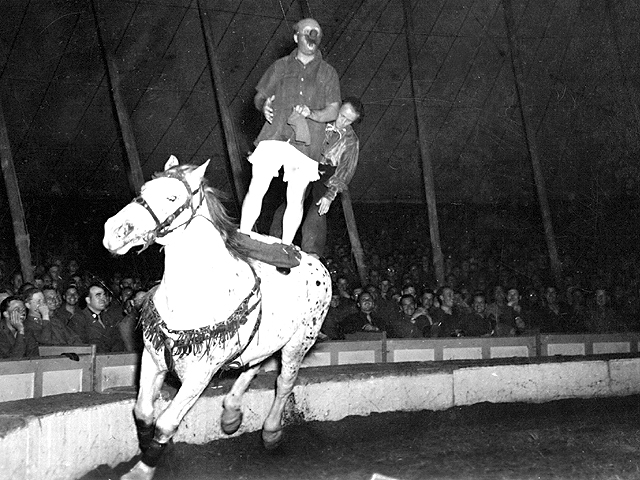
(213,308)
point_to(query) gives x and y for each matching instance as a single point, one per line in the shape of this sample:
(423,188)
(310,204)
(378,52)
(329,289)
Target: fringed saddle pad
(200,341)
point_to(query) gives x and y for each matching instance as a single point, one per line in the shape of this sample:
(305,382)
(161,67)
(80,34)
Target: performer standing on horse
(297,95)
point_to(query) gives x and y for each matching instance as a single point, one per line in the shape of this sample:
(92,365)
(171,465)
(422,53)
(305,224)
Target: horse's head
(165,204)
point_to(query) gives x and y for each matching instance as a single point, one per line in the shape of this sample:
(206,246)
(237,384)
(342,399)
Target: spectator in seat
(500,313)
(446,322)
(332,325)
(47,328)
(70,303)
(130,328)
(578,311)
(92,327)
(365,320)
(555,316)
(386,309)
(477,323)
(406,324)
(15,342)
(601,317)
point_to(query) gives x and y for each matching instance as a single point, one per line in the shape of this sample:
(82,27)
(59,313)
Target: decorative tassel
(196,341)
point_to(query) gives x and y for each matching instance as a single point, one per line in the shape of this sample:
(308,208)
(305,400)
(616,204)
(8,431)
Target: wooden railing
(51,375)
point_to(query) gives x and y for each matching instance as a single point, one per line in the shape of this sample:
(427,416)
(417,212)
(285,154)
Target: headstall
(162,228)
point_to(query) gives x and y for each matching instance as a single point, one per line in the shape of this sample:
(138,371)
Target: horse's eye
(172,198)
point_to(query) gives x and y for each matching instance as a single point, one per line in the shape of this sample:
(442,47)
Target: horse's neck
(202,282)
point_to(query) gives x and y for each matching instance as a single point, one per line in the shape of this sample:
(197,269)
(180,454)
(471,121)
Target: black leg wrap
(145,434)
(152,454)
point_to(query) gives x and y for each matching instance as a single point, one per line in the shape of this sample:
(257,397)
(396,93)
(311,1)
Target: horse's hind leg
(231,418)
(292,356)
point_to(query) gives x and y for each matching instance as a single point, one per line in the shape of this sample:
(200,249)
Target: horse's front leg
(231,418)
(193,384)
(151,380)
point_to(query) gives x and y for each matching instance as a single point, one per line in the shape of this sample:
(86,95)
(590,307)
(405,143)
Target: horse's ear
(196,176)
(172,162)
(202,169)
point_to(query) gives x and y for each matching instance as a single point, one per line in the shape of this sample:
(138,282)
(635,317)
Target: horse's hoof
(272,439)
(139,472)
(231,421)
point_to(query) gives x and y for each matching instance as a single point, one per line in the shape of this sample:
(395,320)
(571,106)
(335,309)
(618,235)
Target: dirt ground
(568,439)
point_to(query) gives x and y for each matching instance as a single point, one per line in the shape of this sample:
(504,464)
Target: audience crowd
(491,288)
(66,306)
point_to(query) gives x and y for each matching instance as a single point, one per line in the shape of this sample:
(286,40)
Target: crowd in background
(65,305)
(494,286)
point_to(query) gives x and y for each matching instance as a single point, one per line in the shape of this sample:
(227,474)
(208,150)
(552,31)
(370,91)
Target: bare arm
(327,114)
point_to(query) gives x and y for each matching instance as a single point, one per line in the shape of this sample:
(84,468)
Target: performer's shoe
(284,270)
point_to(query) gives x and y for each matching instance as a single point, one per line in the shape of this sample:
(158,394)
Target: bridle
(162,228)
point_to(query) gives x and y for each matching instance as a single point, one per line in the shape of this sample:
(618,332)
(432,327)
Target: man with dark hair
(90,325)
(47,328)
(366,319)
(15,342)
(297,95)
(337,167)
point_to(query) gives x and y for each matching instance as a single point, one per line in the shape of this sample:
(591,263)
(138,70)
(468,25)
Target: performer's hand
(267,109)
(324,204)
(303,110)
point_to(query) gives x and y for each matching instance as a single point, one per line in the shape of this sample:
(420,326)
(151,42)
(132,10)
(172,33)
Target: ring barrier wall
(39,377)
(67,436)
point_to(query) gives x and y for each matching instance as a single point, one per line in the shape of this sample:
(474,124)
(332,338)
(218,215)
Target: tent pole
(15,203)
(356,246)
(235,173)
(134,170)
(425,154)
(530,139)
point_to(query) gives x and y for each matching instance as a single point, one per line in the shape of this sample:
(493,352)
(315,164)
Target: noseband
(162,228)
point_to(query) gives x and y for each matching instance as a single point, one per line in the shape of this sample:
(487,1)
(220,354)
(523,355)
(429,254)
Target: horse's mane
(223,222)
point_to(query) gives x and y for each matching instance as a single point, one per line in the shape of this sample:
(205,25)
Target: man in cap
(298,95)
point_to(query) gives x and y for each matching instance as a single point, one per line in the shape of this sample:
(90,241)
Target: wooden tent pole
(425,154)
(236,173)
(15,203)
(356,246)
(134,170)
(530,139)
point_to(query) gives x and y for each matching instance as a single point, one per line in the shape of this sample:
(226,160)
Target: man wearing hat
(298,95)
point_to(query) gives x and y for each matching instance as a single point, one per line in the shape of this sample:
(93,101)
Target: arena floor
(568,439)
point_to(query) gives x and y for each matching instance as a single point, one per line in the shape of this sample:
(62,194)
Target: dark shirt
(604,320)
(52,331)
(554,321)
(475,325)
(404,326)
(98,330)
(18,346)
(357,321)
(445,325)
(332,325)
(315,85)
